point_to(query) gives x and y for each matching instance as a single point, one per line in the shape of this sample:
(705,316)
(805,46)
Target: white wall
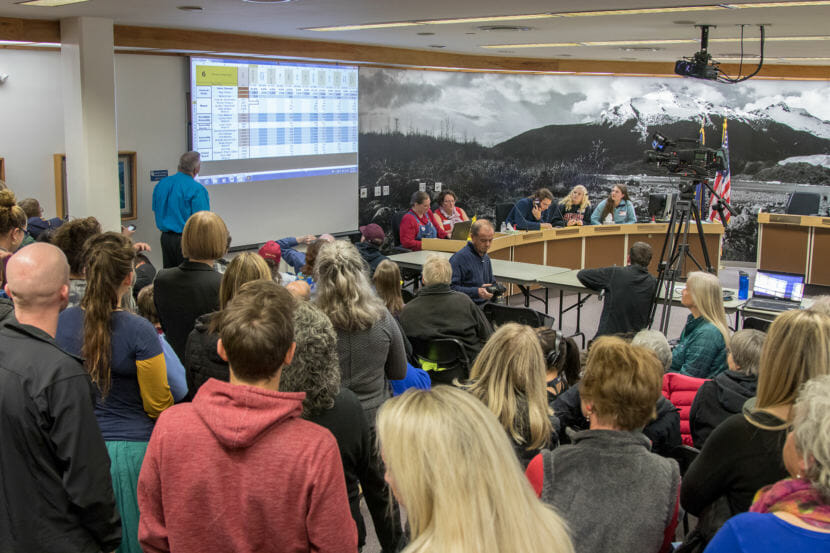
(151,116)
(31,123)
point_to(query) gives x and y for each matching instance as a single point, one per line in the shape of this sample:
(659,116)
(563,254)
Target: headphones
(552,356)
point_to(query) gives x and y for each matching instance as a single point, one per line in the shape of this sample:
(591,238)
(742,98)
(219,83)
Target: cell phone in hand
(130,227)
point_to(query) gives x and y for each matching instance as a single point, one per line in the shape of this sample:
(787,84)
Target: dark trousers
(386,515)
(171,249)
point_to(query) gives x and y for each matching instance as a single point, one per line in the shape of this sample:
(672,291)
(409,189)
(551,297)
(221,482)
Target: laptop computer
(461,230)
(774,291)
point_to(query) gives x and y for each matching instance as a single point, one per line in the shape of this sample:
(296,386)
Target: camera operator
(472,272)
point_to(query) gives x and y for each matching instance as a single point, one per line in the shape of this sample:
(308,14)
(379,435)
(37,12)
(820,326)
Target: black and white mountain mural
(494,138)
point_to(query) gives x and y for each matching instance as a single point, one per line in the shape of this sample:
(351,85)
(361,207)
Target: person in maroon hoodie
(238,469)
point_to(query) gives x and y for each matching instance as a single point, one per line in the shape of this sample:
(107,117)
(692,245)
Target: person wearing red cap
(273,252)
(371,240)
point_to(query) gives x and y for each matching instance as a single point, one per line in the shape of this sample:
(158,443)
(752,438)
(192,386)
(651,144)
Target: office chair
(444,359)
(502,211)
(803,203)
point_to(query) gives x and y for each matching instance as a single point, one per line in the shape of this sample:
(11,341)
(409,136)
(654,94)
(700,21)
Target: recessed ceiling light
(425,34)
(49,3)
(437,45)
(641,49)
(190,8)
(505,51)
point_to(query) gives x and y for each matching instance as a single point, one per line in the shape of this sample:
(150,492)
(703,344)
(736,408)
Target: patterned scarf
(794,496)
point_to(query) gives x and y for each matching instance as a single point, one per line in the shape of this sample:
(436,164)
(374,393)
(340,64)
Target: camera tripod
(676,247)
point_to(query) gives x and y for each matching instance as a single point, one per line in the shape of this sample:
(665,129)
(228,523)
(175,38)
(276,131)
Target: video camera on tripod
(696,163)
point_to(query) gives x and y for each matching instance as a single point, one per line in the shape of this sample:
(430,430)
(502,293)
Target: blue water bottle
(743,285)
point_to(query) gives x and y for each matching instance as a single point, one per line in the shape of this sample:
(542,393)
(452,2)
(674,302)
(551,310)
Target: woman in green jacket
(701,351)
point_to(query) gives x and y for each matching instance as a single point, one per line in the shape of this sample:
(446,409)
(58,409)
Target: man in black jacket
(628,292)
(54,468)
(371,240)
(439,312)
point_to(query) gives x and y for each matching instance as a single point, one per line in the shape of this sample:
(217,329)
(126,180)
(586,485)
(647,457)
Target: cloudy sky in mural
(492,108)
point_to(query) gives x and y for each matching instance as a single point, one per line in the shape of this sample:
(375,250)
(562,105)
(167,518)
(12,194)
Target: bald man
(54,468)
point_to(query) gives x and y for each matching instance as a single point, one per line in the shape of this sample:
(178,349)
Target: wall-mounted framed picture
(127,194)
(126,185)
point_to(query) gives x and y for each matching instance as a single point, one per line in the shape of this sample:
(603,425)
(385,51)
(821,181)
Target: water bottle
(503,227)
(743,285)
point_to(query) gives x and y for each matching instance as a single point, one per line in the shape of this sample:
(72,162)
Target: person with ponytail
(12,229)
(125,361)
(702,349)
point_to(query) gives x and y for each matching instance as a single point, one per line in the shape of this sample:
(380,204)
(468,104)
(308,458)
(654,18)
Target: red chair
(681,390)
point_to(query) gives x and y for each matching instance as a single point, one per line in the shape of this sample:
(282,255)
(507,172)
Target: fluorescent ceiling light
(594,13)
(778,4)
(50,3)
(14,42)
(655,42)
(540,45)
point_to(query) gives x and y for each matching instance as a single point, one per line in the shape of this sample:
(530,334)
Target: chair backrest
(407,295)
(756,324)
(502,211)
(803,203)
(397,217)
(684,455)
(499,314)
(444,359)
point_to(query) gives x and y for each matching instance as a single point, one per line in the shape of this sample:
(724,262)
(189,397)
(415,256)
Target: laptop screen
(783,286)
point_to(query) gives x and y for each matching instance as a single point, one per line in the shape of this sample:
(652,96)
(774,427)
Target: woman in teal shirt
(616,208)
(702,349)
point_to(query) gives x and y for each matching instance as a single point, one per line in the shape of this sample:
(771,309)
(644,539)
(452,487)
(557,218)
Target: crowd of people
(253,409)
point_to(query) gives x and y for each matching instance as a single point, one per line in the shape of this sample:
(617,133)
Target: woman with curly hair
(370,346)
(71,238)
(125,361)
(316,372)
(576,207)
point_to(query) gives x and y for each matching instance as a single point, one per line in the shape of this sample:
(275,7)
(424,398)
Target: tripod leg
(702,238)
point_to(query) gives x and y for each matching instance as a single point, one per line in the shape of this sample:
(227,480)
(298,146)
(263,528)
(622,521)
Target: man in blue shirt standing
(175,199)
(471,268)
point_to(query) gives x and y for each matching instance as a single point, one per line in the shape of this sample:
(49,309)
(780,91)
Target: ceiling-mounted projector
(702,66)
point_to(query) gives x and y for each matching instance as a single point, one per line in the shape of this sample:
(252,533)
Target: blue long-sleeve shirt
(521,216)
(290,255)
(175,199)
(623,213)
(469,271)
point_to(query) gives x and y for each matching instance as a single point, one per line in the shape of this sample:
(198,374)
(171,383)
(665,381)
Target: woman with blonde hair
(509,376)
(201,361)
(449,463)
(387,279)
(370,346)
(576,207)
(743,453)
(185,292)
(125,362)
(615,494)
(701,351)
(794,513)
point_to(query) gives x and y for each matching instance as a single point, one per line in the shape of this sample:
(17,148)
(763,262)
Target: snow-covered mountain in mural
(665,106)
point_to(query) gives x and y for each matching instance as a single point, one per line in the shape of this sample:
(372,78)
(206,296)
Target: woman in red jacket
(417,223)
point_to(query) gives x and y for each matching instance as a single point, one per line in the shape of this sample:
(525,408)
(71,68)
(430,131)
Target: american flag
(723,181)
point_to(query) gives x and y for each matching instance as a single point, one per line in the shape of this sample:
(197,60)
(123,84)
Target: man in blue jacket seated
(471,268)
(536,212)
